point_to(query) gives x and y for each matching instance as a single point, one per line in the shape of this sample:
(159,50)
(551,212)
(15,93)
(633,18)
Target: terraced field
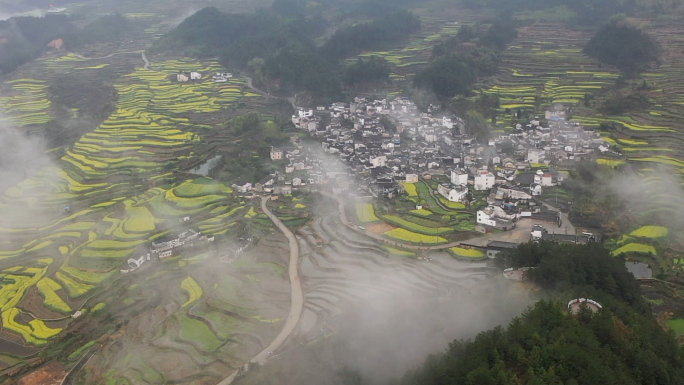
(197,322)
(25,103)
(545,64)
(111,193)
(349,268)
(411,56)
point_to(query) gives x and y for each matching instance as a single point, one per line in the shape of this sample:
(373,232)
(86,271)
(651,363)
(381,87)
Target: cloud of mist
(379,339)
(20,154)
(655,194)
(391,334)
(383,316)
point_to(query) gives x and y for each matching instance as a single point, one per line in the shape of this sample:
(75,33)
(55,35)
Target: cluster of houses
(374,145)
(185,77)
(219,77)
(166,247)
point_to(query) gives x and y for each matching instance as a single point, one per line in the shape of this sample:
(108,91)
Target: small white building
(459,177)
(484,180)
(276,153)
(454,193)
(447,122)
(545,180)
(411,178)
(485,217)
(535,155)
(536,189)
(182,77)
(195,76)
(379,161)
(221,77)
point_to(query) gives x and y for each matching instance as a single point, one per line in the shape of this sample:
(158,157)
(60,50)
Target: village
(370,149)
(373,147)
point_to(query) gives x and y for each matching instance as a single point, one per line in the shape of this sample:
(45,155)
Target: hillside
(619,344)
(278,47)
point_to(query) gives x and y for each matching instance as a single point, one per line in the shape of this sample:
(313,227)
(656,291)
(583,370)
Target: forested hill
(24,38)
(276,45)
(623,45)
(621,344)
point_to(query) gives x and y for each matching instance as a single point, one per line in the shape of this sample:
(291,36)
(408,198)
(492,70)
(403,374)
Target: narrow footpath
(296,295)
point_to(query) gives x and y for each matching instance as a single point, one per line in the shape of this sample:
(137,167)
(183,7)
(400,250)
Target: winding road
(250,85)
(296,295)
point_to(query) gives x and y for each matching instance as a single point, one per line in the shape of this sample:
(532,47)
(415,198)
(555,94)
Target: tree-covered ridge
(386,29)
(623,45)
(458,61)
(277,45)
(364,71)
(620,344)
(581,12)
(24,38)
(547,345)
(578,270)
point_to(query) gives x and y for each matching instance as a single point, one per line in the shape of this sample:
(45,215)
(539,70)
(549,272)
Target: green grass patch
(467,253)
(399,252)
(199,333)
(193,289)
(410,189)
(74,288)
(650,232)
(677,325)
(401,222)
(421,212)
(47,288)
(365,212)
(415,238)
(140,220)
(635,248)
(79,352)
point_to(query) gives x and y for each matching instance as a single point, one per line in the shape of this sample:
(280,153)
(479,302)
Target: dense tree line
(620,344)
(245,162)
(277,44)
(578,269)
(387,28)
(623,45)
(458,61)
(363,71)
(546,346)
(26,36)
(585,12)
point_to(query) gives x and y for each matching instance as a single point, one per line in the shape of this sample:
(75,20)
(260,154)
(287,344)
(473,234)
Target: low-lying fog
(378,339)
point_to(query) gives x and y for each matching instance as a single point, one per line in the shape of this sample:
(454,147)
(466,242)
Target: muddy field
(50,374)
(237,315)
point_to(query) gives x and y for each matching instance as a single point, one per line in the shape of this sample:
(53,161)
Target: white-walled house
(379,161)
(195,76)
(485,217)
(545,180)
(276,153)
(447,122)
(454,193)
(535,155)
(411,178)
(459,177)
(484,180)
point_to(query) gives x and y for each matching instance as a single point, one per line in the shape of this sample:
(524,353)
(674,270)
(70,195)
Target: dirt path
(147,62)
(296,295)
(250,85)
